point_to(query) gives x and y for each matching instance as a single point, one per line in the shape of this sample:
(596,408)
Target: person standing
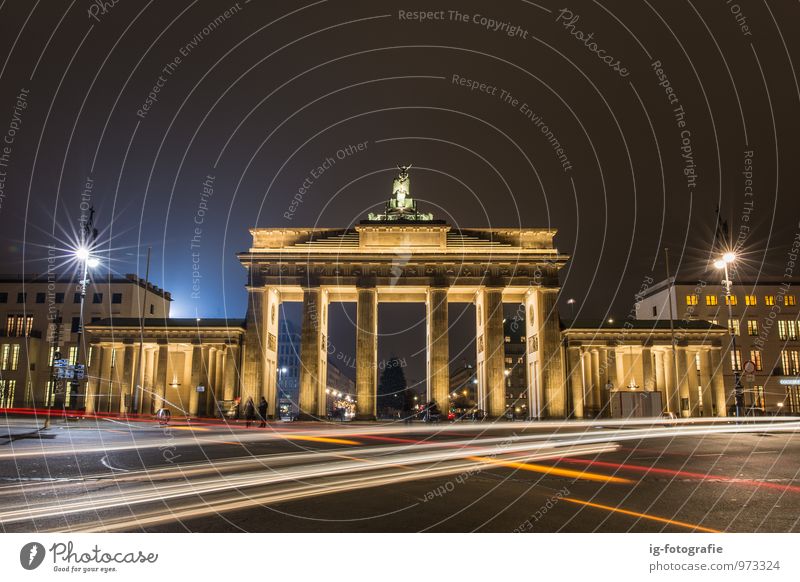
(262,412)
(249,412)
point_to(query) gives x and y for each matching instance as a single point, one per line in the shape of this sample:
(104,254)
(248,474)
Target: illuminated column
(683,382)
(106,384)
(622,378)
(162,363)
(231,372)
(366,354)
(253,364)
(196,378)
(127,376)
(586,374)
(494,355)
(672,400)
(553,383)
(480,355)
(599,391)
(272,301)
(313,354)
(576,381)
(705,382)
(610,363)
(648,371)
(219,377)
(439,349)
(718,382)
(691,380)
(149,357)
(660,383)
(93,382)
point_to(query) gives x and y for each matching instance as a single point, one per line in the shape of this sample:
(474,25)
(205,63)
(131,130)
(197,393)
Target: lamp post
(722,264)
(88,261)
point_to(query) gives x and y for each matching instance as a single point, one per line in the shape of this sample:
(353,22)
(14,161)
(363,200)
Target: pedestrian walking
(249,412)
(262,412)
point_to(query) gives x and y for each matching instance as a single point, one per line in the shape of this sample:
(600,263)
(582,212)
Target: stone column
(599,390)
(718,382)
(126,389)
(438,348)
(147,381)
(622,378)
(272,301)
(576,381)
(648,372)
(683,382)
(205,377)
(705,382)
(691,380)
(196,378)
(660,383)
(588,387)
(211,374)
(253,364)
(313,354)
(610,363)
(109,382)
(494,354)
(231,376)
(93,382)
(672,397)
(162,364)
(219,377)
(552,365)
(366,354)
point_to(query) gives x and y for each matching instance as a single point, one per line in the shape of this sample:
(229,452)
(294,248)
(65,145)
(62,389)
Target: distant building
(340,387)
(765,323)
(516,379)
(288,369)
(31,309)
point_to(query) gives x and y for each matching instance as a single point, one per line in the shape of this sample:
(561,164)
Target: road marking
(691,526)
(321,440)
(197,428)
(552,470)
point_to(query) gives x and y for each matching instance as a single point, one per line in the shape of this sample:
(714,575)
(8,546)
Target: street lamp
(88,261)
(722,264)
(571,303)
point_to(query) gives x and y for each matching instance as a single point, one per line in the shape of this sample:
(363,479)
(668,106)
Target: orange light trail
(691,526)
(552,470)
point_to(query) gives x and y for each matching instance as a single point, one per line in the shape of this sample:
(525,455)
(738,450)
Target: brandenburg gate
(404,255)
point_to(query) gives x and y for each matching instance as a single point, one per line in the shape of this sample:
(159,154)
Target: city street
(115,475)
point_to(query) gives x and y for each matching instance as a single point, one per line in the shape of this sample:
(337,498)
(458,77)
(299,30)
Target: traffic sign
(749,367)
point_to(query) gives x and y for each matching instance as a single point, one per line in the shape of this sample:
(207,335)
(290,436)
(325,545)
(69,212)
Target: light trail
(684,474)
(547,470)
(675,522)
(150,493)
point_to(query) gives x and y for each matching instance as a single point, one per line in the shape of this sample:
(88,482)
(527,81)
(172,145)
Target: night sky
(622,124)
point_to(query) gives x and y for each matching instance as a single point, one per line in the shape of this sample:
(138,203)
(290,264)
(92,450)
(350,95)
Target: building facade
(40,316)
(765,324)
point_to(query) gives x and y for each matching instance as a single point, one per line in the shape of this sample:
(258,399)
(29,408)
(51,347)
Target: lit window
(711,300)
(691,300)
(790,300)
(9,357)
(733,326)
(7,388)
(713,321)
(750,300)
(787,329)
(736,360)
(769,300)
(755,357)
(790,362)
(793,397)
(509,360)
(73,355)
(752,327)
(730,300)
(19,325)
(508,339)
(697,361)
(758,397)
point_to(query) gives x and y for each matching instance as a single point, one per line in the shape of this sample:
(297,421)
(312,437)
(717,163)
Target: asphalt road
(108,475)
